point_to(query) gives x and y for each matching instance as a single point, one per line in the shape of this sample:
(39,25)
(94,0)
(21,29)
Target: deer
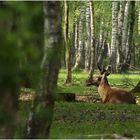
(106,92)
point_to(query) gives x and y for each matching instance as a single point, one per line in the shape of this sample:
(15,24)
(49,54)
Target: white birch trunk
(125,27)
(114,35)
(120,27)
(88,44)
(92,65)
(79,58)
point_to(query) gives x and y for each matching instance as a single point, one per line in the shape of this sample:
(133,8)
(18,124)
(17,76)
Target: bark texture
(92,65)
(120,29)
(114,36)
(67,43)
(125,27)
(79,64)
(88,39)
(43,116)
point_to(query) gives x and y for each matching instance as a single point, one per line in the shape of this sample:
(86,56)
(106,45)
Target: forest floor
(89,119)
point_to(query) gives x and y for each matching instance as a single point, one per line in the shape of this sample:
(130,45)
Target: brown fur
(108,94)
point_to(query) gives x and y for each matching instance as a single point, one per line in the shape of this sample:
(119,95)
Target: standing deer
(108,94)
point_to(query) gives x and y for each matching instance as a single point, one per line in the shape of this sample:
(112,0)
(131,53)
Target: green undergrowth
(86,120)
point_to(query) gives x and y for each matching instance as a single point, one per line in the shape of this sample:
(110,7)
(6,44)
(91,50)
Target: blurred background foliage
(21,39)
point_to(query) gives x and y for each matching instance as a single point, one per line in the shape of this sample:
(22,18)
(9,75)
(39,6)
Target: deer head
(96,80)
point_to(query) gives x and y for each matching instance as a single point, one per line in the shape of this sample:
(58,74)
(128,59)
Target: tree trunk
(139,19)
(130,32)
(120,27)
(125,28)
(114,36)
(76,38)
(79,64)
(92,65)
(88,42)
(38,124)
(67,43)
(128,42)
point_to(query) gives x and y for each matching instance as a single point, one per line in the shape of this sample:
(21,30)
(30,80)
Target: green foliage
(22,35)
(102,14)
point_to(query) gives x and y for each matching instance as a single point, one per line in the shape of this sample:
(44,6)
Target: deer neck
(104,88)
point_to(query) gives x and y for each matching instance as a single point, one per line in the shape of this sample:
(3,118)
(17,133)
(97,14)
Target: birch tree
(125,27)
(40,119)
(114,35)
(80,52)
(88,40)
(92,38)
(67,43)
(76,39)
(127,36)
(120,29)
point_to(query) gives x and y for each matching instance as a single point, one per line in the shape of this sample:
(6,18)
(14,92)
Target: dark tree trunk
(131,30)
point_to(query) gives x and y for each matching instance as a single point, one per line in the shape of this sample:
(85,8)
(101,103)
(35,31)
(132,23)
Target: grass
(126,81)
(87,120)
(90,120)
(84,120)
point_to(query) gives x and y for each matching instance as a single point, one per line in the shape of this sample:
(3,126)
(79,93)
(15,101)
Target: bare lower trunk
(76,40)
(68,65)
(92,65)
(67,44)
